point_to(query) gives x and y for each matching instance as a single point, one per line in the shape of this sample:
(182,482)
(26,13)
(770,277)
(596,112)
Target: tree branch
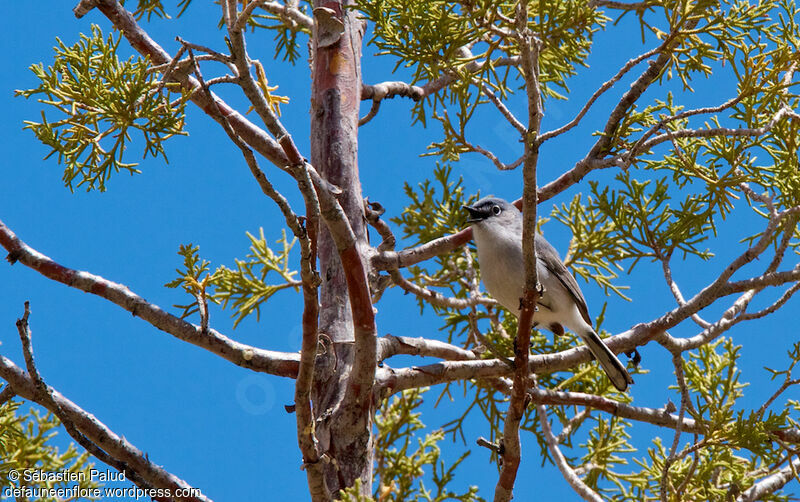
(529,51)
(709,133)
(251,89)
(310,282)
(256,137)
(246,356)
(566,470)
(294,16)
(45,396)
(771,483)
(435,298)
(599,92)
(94,430)
(391,345)
(388,90)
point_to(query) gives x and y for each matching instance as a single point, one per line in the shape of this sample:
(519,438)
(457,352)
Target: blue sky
(218,426)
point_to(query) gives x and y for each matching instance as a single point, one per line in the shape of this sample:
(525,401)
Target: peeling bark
(344,415)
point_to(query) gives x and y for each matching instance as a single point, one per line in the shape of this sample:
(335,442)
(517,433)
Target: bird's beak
(475,214)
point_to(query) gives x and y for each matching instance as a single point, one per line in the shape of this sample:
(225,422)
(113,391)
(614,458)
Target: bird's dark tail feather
(608,361)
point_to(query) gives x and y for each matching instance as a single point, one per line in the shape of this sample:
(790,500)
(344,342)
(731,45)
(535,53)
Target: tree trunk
(344,429)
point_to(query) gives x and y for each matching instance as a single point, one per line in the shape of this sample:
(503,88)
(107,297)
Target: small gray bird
(497,231)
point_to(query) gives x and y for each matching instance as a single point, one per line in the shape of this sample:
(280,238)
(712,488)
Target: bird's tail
(608,361)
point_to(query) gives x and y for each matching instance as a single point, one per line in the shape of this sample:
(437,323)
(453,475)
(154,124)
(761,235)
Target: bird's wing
(553,263)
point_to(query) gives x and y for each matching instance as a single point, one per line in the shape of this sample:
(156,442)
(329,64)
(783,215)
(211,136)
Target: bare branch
(376,105)
(612,4)
(599,92)
(6,395)
(391,345)
(566,470)
(435,298)
(289,14)
(637,147)
(440,83)
(529,51)
(388,260)
(771,483)
(94,430)
(266,361)
(515,123)
(709,133)
(45,396)
(305,420)
(251,89)
(686,403)
(400,379)
(391,89)
(676,291)
(493,158)
(124,21)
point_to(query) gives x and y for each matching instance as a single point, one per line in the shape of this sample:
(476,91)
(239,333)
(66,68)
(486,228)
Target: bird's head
(491,209)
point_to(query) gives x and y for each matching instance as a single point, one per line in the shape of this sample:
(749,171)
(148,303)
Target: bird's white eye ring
(496,210)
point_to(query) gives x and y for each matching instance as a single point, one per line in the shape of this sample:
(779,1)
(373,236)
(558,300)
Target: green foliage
(644,224)
(428,37)
(149,7)
(430,214)
(244,288)
(434,210)
(194,278)
(286,31)
(594,251)
(25,444)
(102,101)
(402,458)
(737,446)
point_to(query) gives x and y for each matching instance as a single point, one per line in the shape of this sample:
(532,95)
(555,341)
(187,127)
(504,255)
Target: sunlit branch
(391,89)
(310,283)
(435,298)
(638,148)
(686,404)
(613,4)
(391,345)
(250,88)
(46,397)
(573,424)
(529,47)
(713,132)
(378,92)
(771,483)
(493,158)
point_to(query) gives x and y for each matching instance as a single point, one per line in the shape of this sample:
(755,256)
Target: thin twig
(566,470)
(599,92)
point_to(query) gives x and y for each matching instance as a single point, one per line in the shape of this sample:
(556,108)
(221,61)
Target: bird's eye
(496,210)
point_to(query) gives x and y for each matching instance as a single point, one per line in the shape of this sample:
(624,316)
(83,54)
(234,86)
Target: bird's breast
(502,270)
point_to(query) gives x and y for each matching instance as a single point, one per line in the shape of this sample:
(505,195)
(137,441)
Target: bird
(497,232)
